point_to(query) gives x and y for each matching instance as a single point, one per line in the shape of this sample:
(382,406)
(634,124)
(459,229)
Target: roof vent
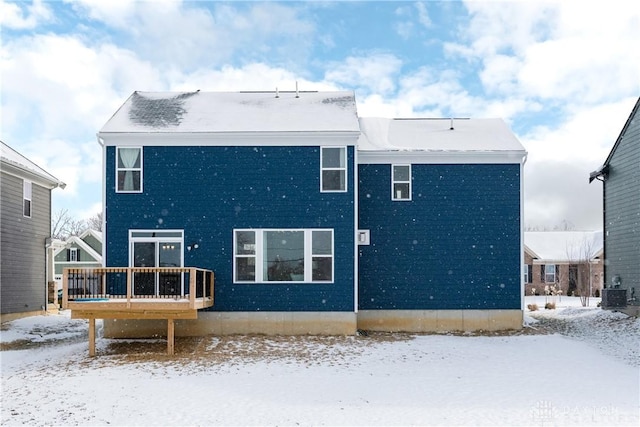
(297,93)
(451,126)
(277,93)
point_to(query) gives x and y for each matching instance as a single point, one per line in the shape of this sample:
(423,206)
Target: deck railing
(137,283)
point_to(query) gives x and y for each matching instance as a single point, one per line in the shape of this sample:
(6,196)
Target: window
(549,273)
(401,182)
(333,165)
(302,256)
(527,273)
(73,255)
(128,169)
(26,198)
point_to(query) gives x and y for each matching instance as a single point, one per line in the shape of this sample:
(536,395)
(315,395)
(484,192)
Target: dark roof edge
(602,170)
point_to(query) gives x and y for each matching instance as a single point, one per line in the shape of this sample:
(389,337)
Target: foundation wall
(8,317)
(439,320)
(230,323)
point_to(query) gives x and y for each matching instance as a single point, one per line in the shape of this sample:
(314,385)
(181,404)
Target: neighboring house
(25,232)
(620,175)
(567,261)
(84,250)
(315,221)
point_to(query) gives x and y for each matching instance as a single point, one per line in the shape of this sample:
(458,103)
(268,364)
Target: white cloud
(373,73)
(557,49)
(12,16)
(586,137)
(190,35)
(65,86)
(116,13)
(423,15)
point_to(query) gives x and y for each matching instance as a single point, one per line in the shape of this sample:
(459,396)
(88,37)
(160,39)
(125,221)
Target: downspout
(104,195)
(522,284)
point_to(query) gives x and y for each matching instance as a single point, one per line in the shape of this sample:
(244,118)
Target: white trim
(27,196)
(104,201)
(159,238)
(131,169)
(345,168)
(230,139)
(356,223)
(394,196)
(259,256)
(522,245)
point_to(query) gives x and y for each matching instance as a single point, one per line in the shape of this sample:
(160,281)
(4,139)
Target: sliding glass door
(156,249)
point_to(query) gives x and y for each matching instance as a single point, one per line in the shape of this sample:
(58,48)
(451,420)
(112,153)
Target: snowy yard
(569,366)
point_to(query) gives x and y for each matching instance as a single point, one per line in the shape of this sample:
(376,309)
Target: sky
(584,374)
(563,74)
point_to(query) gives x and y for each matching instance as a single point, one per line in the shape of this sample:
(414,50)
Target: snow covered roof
(230,112)
(438,138)
(19,164)
(564,246)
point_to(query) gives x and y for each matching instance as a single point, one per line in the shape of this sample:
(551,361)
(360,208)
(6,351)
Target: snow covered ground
(568,366)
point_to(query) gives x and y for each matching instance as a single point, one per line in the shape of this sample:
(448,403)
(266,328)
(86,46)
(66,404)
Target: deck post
(170,336)
(92,336)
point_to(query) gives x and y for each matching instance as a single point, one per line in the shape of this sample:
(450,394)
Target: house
(25,232)
(566,261)
(83,250)
(620,176)
(314,220)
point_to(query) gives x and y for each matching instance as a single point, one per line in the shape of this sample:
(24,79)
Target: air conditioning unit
(613,298)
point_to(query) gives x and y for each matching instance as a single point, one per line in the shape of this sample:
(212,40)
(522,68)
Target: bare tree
(60,223)
(76,227)
(95,222)
(580,254)
(64,225)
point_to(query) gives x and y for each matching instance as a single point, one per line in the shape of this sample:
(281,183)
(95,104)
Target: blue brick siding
(456,245)
(210,191)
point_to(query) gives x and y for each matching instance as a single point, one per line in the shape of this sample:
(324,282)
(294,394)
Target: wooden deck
(136,293)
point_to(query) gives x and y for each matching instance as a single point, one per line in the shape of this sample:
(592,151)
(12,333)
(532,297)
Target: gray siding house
(25,229)
(620,175)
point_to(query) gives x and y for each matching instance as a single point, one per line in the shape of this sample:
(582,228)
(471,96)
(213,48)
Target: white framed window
(333,169)
(128,169)
(527,273)
(400,182)
(26,198)
(550,273)
(73,255)
(282,256)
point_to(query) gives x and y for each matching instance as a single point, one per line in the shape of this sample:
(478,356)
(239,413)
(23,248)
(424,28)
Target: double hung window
(333,169)
(401,182)
(128,169)
(300,255)
(527,273)
(549,273)
(26,198)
